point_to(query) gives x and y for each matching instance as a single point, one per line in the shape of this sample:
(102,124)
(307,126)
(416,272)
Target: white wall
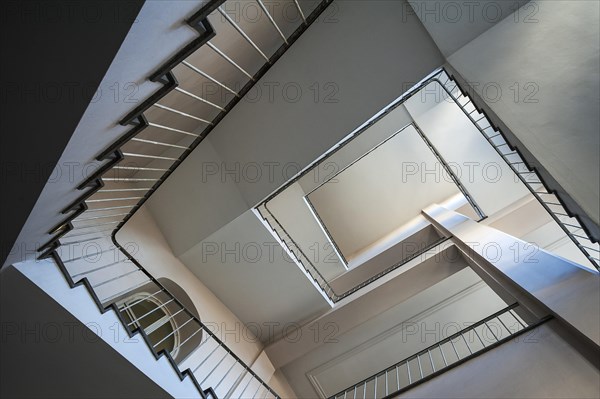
(385,127)
(393,335)
(556,117)
(454,24)
(540,230)
(484,174)
(195,201)
(296,218)
(253,276)
(156,257)
(291,210)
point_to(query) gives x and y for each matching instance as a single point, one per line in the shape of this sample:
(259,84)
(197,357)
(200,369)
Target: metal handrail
(326,287)
(520,161)
(113,153)
(447,361)
(434,77)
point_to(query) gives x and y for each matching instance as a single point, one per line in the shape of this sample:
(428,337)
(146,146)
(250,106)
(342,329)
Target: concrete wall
(552,54)
(540,364)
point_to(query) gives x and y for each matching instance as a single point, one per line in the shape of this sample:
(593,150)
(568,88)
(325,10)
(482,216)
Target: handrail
(137,120)
(325,286)
(114,155)
(447,362)
(435,77)
(520,160)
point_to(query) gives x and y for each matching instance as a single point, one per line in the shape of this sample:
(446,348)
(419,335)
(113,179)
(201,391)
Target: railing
(131,169)
(529,176)
(551,202)
(135,165)
(300,257)
(434,360)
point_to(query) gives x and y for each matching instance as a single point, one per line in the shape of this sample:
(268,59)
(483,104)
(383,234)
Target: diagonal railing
(84,245)
(120,186)
(468,343)
(550,200)
(300,257)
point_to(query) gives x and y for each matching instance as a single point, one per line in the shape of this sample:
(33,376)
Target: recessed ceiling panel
(384,189)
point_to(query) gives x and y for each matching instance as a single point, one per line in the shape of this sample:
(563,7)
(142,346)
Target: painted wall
(393,335)
(295,216)
(154,254)
(552,57)
(254,277)
(480,169)
(454,24)
(206,201)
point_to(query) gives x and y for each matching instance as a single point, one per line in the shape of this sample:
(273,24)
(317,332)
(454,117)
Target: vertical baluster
(504,325)
(214,368)
(257,389)
(466,343)
(516,318)
(206,358)
(431,360)
(420,368)
(480,340)
(408,369)
(246,386)
(398,377)
(375,388)
(486,324)
(225,375)
(386,382)
(455,351)
(443,355)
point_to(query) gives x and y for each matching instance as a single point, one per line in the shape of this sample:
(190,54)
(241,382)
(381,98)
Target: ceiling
(376,194)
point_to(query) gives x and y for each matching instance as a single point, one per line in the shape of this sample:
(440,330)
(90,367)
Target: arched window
(152,309)
(142,310)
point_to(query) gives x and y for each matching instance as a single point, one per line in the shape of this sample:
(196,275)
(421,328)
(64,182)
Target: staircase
(162,130)
(159,137)
(571,223)
(442,83)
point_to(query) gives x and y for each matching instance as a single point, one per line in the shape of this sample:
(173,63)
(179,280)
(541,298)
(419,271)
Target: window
(142,310)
